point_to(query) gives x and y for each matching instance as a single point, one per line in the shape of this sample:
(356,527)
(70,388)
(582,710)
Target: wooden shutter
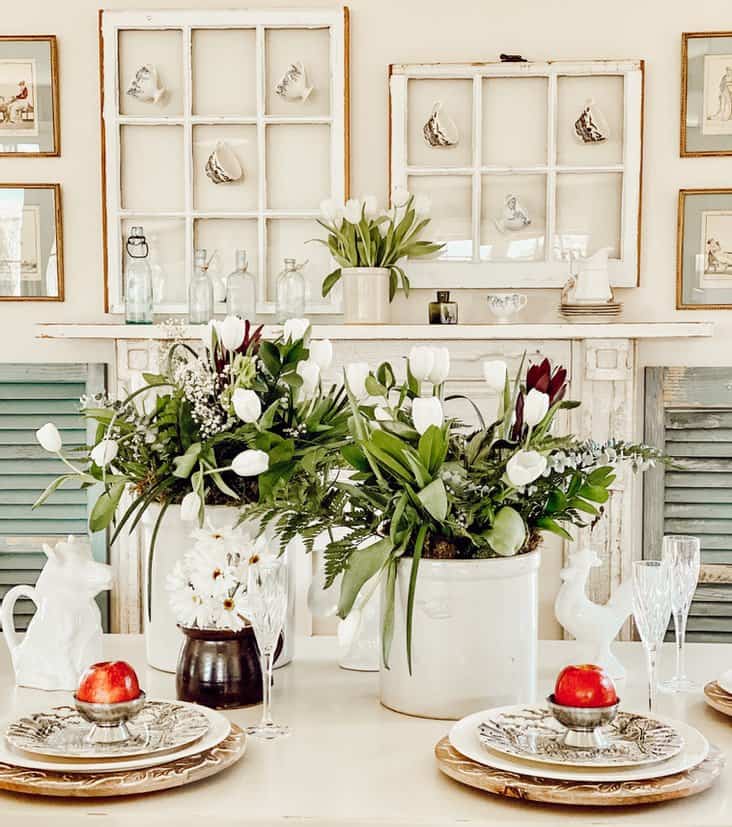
(30,396)
(688,413)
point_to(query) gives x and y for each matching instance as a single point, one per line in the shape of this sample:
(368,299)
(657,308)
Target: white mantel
(603,375)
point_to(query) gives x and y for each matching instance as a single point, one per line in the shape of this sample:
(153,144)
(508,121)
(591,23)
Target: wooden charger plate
(717,698)
(580,793)
(176,773)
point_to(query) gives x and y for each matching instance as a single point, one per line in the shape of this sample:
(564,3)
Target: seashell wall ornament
(591,126)
(145,85)
(514,215)
(223,166)
(293,85)
(440,129)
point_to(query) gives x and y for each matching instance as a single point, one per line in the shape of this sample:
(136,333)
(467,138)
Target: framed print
(704,250)
(706,94)
(28,96)
(31,243)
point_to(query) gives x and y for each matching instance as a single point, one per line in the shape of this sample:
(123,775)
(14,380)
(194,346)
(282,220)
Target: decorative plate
(464,738)
(578,793)
(160,726)
(718,698)
(533,734)
(219,728)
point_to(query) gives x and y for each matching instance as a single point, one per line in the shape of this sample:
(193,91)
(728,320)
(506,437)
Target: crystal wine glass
(652,612)
(684,557)
(267,606)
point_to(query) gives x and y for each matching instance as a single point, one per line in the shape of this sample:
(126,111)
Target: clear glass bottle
(290,292)
(200,292)
(241,289)
(138,280)
(159,275)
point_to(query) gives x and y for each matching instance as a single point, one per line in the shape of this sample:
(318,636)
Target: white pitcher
(65,634)
(592,283)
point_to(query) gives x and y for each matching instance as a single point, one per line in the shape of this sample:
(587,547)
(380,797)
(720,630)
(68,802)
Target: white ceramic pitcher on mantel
(590,282)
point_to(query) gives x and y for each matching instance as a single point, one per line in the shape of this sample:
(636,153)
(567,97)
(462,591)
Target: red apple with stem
(108,682)
(585,685)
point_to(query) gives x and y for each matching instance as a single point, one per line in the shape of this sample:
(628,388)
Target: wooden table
(352,763)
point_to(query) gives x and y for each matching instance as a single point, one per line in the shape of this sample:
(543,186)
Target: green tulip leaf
(507,535)
(363,564)
(434,499)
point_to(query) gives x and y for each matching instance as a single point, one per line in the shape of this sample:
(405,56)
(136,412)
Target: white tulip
(440,366)
(384,226)
(352,212)
(49,438)
(247,405)
(371,207)
(104,452)
(382,415)
(427,411)
(495,374)
(421,362)
(250,463)
(296,329)
(331,212)
(190,506)
(422,206)
(524,467)
(356,374)
(536,405)
(310,374)
(321,353)
(211,334)
(231,332)
(399,196)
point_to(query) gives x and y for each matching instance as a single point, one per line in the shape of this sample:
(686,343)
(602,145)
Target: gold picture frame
(691,279)
(704,133)
(6,99)
(44,247)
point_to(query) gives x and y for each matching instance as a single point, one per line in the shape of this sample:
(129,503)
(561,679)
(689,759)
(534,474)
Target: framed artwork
(706,94)
(527,165)
(704,249)
(29,121)
(31,243)
(223,129)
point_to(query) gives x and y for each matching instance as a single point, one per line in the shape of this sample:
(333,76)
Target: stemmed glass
(684,557)
(652,612)
(266,609)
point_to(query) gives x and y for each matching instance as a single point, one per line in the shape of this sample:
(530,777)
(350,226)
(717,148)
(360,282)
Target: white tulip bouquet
(363,234)
(427,486)
(234,424)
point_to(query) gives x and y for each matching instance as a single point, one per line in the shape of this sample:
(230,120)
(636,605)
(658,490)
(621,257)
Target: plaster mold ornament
(65,634)
(514,216)
(146,86)
(293,85)
(440,129)
(591,126)
(223,166)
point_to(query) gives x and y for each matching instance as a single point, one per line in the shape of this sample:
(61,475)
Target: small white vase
(365,295)
(474,637)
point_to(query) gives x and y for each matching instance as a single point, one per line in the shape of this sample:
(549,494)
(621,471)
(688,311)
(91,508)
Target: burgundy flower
(518,424)
(543,379)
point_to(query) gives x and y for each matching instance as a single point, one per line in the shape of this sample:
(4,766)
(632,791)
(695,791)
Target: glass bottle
(200,292)
(138,280)
(443,311)
(159,276)
(290,292)
(241,289)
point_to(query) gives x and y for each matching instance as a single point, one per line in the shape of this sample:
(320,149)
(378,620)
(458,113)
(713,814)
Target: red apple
(109,682)
(586,685)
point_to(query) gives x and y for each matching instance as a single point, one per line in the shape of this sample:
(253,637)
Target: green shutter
(30,396)
(689,416)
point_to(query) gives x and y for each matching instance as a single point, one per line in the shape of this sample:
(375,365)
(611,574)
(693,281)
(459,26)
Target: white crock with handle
(474,637)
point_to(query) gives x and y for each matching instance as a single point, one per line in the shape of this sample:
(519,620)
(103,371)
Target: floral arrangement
(424,485)
(362,234)
(233,424)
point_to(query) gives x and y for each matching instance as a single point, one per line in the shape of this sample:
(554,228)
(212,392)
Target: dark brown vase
(220,668)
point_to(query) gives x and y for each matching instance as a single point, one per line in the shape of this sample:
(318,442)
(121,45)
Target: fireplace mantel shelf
(559,331)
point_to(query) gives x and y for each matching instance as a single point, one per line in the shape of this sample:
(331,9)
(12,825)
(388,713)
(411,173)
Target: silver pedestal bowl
(109,721)
(583,724)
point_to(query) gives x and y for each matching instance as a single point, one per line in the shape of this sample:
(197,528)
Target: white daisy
(210,572)
(188,607)
(227,612)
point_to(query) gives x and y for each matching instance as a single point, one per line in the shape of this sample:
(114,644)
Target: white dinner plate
(218,729)
(464,737)
(725,681)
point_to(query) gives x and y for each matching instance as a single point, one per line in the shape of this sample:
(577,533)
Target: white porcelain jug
(592,282)
(65,634)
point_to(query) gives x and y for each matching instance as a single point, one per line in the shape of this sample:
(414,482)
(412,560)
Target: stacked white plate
(590,309)
(518,739)
(164,731)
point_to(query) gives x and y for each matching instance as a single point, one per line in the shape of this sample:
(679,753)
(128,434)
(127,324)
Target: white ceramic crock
(163,639)
(474,637)
(365,295)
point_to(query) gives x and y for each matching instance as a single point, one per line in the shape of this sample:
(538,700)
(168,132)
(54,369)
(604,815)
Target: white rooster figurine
(588,622)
